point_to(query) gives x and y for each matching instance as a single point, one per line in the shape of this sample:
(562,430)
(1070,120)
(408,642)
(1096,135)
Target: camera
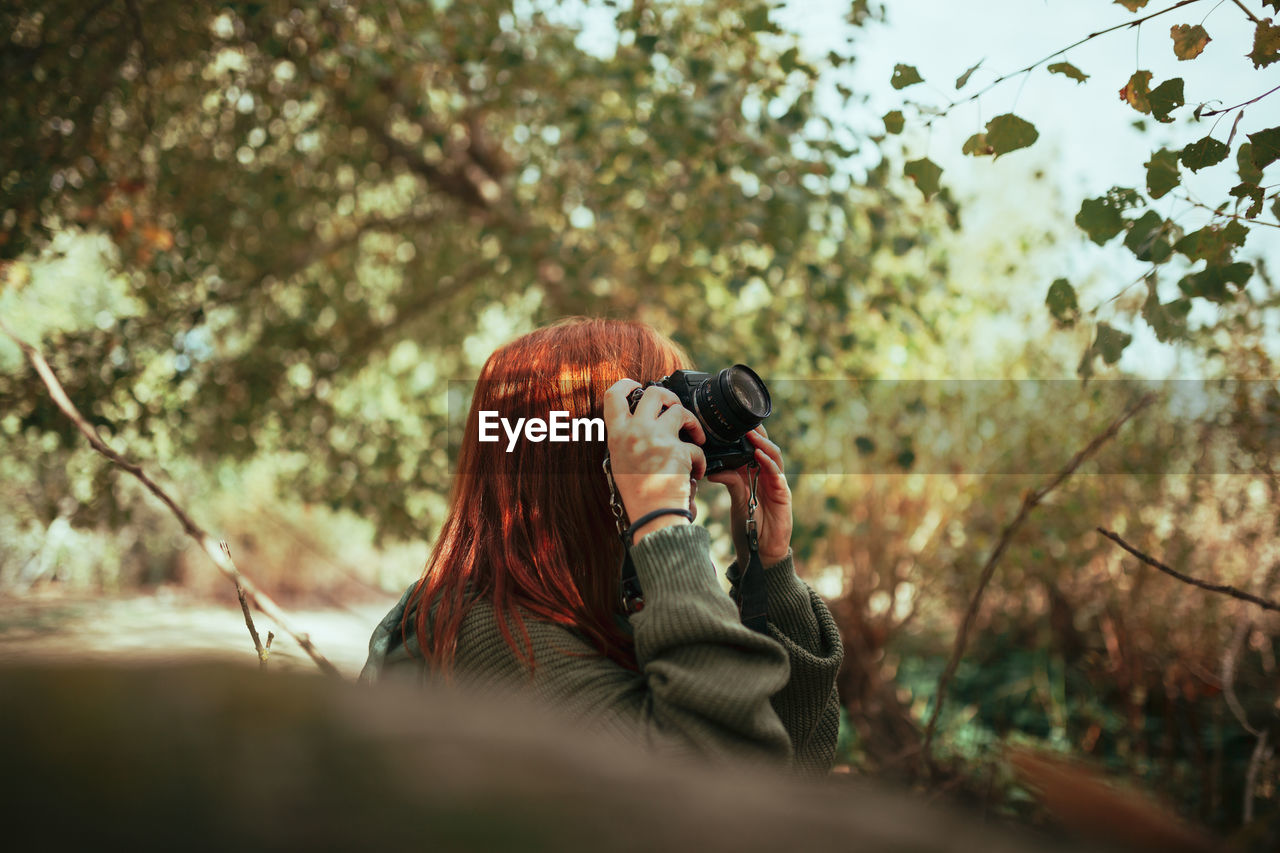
(728,405)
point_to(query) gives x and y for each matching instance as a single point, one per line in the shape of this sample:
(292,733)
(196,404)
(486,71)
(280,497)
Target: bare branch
(1229,660)
(248,617)
(1259,755)
(220,558)
(1245,9)
(1224,589)
(1029,502)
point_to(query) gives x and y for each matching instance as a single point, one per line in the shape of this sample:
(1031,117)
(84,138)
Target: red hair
(531,530)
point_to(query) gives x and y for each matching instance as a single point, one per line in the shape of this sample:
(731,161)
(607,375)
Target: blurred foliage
(256,242)
(327,213)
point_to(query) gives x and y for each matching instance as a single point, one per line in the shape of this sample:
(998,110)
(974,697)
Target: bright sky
(1087,139)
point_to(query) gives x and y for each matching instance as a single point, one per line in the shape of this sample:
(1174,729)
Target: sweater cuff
(785,566)
(675,559)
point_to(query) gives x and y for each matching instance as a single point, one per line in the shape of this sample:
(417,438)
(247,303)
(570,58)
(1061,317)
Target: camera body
(728,405)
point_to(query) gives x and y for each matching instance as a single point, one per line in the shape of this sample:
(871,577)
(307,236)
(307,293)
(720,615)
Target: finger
(615,399)
(771,472)
(772,450)
(698,461)
(685,420)
(732,481)
(655,397)
(760,429)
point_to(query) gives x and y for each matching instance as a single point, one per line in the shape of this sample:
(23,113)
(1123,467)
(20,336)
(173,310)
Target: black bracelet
(650,516)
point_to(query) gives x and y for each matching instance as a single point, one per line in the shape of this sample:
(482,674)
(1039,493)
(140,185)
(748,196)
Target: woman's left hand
(773,515)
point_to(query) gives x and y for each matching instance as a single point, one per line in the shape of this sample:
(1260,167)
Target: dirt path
(165,626)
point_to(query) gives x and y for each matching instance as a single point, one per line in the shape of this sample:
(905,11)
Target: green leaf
(1266,44)
(1248,172)
(977,146)
(757,20)
(925,173)
(1188,41)
(1266,146)
(1165,98)
(1062,302)
(647,43)
(1213,244)
(1069,70)
(1132,5)
(1148,238)
(1162,172)
(1275,207)
(904,76)
(1168,320)
(1137,92)
(865,445)
(893,121)
(1007,133)
(789,60)
(1211,282)
(964,78)
(1100,217)
(1202,153)
(1110,343)
(1249,191)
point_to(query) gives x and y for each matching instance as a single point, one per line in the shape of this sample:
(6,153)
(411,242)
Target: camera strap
(752,594)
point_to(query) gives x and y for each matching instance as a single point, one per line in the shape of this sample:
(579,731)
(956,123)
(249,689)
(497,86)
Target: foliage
(1152,236)
(329,212)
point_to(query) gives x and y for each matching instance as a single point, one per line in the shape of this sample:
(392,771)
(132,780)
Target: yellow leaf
(1188,41)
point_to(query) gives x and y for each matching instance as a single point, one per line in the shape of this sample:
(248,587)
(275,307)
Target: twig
(1245,9)
(1224,589)
(1216,212)
(220,559)
(248,617)
(1251,775)
(1029,502)
(1238,106)
(1056,53)
(1229,661)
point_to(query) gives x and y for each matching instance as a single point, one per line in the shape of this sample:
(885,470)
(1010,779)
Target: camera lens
(732,403)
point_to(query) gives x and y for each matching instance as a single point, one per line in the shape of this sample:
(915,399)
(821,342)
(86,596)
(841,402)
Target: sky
(1088,141)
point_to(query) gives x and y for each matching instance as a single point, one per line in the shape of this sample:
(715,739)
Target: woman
(523,584)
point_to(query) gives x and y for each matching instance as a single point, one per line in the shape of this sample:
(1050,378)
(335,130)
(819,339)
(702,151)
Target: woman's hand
(652,467)
(773,515)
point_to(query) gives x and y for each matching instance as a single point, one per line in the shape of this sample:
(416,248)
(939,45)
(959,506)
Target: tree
(1251,205)
(327,213)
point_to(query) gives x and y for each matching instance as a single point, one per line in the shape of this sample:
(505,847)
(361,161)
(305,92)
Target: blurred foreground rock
(220,757)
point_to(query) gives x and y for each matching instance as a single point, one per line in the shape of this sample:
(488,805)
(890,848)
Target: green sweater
(706,683)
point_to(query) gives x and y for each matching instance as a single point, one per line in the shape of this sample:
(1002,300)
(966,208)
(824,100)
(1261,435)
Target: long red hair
(531,530)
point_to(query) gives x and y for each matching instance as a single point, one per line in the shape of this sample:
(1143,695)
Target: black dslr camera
(728,405)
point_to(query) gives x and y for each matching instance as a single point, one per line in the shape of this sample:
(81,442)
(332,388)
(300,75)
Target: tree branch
(1239,105)
(1029,502)
(1247,13)
(1223,589)
(220,558)
(248,617)
(1056,53)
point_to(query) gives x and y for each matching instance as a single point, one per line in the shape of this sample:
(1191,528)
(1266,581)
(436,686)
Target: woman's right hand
(652,466)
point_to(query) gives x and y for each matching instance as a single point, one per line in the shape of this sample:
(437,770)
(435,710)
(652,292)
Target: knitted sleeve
(704,681)
(809,705)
